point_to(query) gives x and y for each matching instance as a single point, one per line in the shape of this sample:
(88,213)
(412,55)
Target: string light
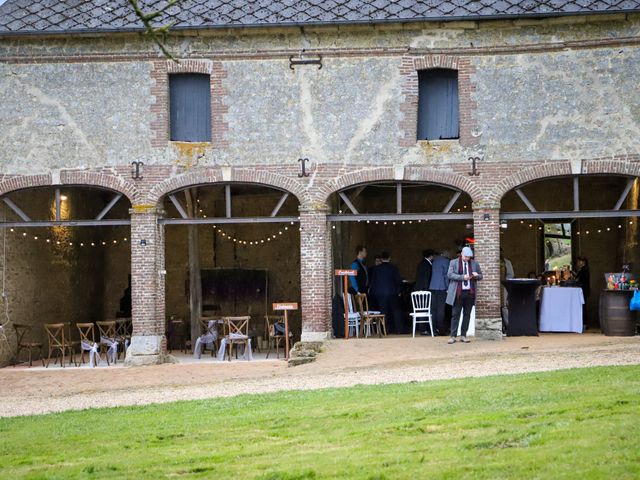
(70,244)
(262,241)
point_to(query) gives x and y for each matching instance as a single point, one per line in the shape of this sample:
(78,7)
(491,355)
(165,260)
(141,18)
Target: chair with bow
(108,340)
(88,343)
(236,333)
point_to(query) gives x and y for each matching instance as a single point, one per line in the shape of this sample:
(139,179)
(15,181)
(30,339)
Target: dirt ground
(25,391)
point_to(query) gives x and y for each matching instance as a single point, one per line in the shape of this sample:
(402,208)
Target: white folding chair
(354,317)
(421,302)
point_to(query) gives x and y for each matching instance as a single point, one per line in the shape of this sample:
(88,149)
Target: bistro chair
(354,317)
(58,342)
(237,333)
(274,335)
(421,302)
(23,344)
(124,328)
(209,337)
(88,343)
(108,340)
(175,335)
(369,318)
(74,345)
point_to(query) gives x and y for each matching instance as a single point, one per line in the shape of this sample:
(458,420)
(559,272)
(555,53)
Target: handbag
(634,305)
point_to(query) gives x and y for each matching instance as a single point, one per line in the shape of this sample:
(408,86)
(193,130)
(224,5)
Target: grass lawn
(568,424)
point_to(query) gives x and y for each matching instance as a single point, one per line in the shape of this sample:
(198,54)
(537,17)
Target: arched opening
(232,249)
(548,224)
(404,219)
(65,258)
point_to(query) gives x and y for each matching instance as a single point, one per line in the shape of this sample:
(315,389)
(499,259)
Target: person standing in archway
(464,273)
(360,283)
(386,287)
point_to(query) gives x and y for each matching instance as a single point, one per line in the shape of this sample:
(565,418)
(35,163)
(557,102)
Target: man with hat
(464,273)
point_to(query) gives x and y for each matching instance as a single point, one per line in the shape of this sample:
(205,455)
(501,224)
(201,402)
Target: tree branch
(157,34)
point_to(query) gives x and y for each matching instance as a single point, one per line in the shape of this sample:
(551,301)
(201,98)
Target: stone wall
(539,98)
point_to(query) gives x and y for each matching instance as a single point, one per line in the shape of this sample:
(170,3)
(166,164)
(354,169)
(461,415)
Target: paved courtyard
(396,359)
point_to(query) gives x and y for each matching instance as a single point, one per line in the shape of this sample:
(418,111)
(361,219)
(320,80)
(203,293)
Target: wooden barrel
(616,320)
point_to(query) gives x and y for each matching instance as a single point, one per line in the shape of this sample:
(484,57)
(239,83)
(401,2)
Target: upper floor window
(438,110)
(190,107)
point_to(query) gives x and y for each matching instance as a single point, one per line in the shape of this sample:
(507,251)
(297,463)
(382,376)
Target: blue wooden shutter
(438,116)
(190,107)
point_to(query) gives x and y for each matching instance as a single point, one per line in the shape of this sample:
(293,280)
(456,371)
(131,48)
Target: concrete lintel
(398,172)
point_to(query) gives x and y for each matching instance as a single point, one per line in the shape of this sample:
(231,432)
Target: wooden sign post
(285,307)
(345,274)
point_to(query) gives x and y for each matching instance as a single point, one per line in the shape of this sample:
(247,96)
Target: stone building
(544,99)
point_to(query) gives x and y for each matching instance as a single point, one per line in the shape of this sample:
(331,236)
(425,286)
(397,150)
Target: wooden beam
(525,200)
(625,193)
(109,206)
(227,200)
(452,201)
(280,203)
(178,205)
(576,193)
(16,209)
(57,204)
(398,198)
(348,203)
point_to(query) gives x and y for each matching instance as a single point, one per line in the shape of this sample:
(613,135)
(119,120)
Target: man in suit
(463,274)
(438,288)
(386,288)
(423,272)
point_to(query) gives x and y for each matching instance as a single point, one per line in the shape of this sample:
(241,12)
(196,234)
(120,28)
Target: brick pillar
(486,231)
(148,343)
(315,267)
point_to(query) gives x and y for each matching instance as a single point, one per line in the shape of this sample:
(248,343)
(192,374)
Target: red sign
(285,306)
(346,273)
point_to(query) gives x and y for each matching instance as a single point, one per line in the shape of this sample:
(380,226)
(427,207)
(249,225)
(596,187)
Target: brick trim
(69,177)
(160,71)
(559,168)
(409,173)
(409,68)
(216,175)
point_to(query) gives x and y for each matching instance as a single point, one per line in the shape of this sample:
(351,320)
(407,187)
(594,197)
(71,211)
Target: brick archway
(217,175)
(69,178)
(562,169)
(407,174)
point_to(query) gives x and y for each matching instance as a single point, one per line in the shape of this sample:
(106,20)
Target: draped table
(561,309)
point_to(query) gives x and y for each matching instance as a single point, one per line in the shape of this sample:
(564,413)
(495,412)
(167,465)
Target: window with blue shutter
(190,107)
(438,110)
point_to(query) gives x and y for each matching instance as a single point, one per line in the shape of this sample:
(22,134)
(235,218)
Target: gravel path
(369,362)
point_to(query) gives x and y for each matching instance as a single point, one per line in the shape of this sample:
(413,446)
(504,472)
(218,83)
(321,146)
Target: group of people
(450,281)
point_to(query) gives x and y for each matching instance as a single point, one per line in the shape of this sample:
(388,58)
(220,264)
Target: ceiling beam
(227,200)
(394,217)
(576,193)
(65,223)
(226,220)
(178,205)
(452,202)
(280,204)
(398,198)
(625,193)
(569,214)
(525,200)
(109,206)
(348,203)
(16,209)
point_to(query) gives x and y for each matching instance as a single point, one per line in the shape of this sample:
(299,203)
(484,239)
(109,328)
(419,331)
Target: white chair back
(421,301)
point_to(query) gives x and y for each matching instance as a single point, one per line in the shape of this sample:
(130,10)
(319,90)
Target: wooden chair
(87,340)
(108,337)
(206,330)
(74,345)
(272,335)
(123,333)
(236,333)
(421,303)
(369,318)
(175,335)
(21,332)
(58,342)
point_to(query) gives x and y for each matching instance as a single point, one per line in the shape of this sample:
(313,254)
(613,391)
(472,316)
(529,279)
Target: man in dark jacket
(386,288)
(360,283)
(423,279)
(423,272)
(438,288)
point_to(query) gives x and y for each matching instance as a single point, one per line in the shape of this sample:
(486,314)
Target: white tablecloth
(471,331)
(561,309)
